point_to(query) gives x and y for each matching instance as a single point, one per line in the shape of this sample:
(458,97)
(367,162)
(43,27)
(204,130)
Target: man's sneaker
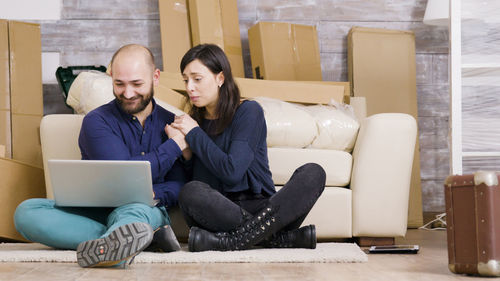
(122,244)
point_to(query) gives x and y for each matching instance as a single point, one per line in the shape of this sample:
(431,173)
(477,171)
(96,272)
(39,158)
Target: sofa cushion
(284,161)
(287,124)
(337,126)
(332,213)
(318,126)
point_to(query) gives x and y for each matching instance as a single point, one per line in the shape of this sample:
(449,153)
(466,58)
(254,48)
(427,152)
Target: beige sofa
(367,190)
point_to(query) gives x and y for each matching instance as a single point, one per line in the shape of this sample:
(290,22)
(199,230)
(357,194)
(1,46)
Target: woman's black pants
(207,208)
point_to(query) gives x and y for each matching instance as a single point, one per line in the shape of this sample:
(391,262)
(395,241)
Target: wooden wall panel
(436,164)
(342,10)
(91,31)
(433,100)
(53,100)
(110,9)
(99,35)
(247,10)
(283,10)
(334,66)
(440,69)
(94,41)
(433,192)
(434,132)
(332,35)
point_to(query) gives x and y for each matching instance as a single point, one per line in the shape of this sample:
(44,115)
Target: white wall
(30,9)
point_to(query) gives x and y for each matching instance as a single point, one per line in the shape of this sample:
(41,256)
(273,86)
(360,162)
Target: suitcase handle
(489,178)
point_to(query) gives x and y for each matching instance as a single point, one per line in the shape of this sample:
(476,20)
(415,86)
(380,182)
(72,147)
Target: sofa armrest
(59,138)
(380,181)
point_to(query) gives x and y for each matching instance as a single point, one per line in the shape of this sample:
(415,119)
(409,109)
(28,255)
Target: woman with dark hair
(231,202)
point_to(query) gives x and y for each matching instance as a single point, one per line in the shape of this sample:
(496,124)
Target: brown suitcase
(473,223)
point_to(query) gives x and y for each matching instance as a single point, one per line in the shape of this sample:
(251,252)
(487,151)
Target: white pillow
(337,128)
(288,125)
(91,89)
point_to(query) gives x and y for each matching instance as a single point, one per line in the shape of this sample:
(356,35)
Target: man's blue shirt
(108,133)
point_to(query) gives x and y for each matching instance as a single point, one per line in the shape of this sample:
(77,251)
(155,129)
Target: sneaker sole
(123,243)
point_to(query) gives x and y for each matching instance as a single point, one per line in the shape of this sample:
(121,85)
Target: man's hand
(177,136)
(184,123)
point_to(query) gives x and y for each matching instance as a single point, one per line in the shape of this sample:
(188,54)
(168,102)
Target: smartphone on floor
(394,249)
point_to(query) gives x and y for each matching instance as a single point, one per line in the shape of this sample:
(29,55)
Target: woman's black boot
(304,237)
(254,230)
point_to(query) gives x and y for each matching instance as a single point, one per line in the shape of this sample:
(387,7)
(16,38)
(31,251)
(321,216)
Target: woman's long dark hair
(215,59)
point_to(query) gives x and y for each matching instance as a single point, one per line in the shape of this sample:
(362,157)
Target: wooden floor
(429,264)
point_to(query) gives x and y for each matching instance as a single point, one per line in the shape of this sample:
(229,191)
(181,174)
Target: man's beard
(144,101)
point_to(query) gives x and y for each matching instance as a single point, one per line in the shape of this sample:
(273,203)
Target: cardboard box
(345,85)
(21,90)
(5,131)
(284,51)
(382,69)
(18,182)
(206,22)
(193,22)
(25,68)
(292,91)
(26,139)
(175,32)
(231,35)
(170,96)
(172,80)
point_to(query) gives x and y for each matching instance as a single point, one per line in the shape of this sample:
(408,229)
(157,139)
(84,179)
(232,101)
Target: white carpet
(324,253)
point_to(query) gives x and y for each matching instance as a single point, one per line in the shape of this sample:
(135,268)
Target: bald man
(131,127)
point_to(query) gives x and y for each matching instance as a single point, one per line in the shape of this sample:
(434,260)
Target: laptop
(100,183)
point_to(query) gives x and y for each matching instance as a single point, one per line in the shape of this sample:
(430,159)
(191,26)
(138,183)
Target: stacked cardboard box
(18,182)
(186,23)
(284,51)
(232,38)
(382,69)
(175,32)
(21,110)
(5,130)
(21,100)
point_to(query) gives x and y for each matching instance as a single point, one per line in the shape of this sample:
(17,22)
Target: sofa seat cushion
(283,162)
(332,213)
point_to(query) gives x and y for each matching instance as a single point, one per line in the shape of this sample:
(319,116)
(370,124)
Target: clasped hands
(178,130)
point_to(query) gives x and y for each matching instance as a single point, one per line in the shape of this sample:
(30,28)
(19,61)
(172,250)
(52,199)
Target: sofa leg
(374,241)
